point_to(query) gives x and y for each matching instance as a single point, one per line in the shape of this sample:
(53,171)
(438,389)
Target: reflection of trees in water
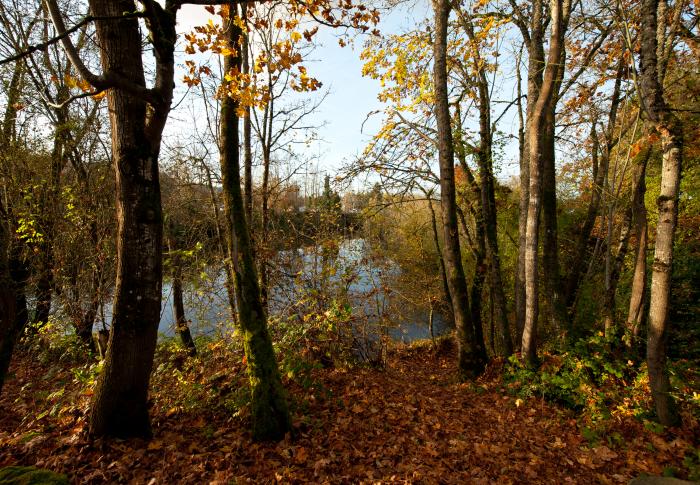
(381,296)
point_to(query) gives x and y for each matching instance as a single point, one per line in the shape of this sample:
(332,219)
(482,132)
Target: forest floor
(411,422)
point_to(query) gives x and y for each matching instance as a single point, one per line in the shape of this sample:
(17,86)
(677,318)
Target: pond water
(344,270)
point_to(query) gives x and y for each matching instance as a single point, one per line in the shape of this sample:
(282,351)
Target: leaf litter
(411,422)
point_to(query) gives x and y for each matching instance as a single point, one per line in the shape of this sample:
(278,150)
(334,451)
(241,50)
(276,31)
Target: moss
(28,475)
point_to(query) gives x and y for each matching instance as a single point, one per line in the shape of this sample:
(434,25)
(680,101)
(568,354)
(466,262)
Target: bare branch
(73,98)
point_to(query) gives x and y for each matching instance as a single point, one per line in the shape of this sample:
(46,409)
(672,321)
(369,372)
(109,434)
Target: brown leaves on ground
(409,423)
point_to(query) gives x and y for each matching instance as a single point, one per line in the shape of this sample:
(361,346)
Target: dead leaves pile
(409,423)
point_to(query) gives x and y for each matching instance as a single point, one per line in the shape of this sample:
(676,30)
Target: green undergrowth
(599,379)
(215,380)
(606,386)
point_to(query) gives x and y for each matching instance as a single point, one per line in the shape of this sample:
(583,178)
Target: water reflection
(342,271)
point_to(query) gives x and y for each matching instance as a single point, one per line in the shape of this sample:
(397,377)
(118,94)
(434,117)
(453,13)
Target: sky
(345,128)
(350,97)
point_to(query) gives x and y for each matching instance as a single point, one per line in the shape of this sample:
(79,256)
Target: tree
(484,155)
(470,360)
(270,415)
(671,131)
(536,153)
(138,115)
(13,303)
(636,314)
(9,329)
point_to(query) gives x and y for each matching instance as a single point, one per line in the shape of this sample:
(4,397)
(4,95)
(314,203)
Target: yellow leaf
(155,445)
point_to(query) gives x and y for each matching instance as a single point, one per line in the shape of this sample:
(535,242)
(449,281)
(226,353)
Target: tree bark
(536,148)
(183,329)
(436,240)
(470,362)
(535,70)
(671,131)
(638,294)
(269,412)
(9,330)
(120,407)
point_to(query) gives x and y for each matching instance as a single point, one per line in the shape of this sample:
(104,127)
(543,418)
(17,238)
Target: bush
(593,377)
(598,378)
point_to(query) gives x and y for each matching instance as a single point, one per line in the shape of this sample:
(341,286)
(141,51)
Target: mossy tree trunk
(269,411)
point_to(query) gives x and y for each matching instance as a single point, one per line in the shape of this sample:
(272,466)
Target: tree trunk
(470,361)
(13,269)
(269,412)
(247,133)
(9,125)
(671,131)
(477,290)
(436,240)
(183,329)
(536,148)
(579,256)
(550,244)
(120,407)
(490,217)
(609,301)
(9,330)
(489,213)
(535,70)
(638,294)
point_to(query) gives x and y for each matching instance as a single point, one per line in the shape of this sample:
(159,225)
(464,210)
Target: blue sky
(351,96)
